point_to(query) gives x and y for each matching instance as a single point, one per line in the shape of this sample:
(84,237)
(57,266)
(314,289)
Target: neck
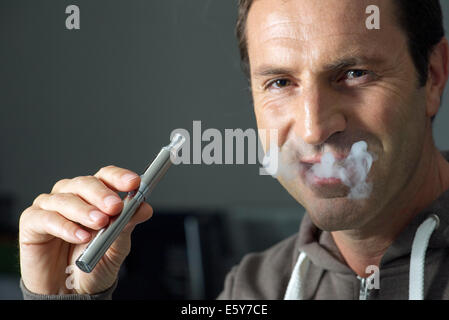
(364,247)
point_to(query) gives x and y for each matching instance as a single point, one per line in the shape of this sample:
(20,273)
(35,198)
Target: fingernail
(111,200)
(82,234)
(129,177)
(96,215)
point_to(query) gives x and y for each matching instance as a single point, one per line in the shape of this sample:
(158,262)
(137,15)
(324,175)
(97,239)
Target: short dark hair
(422,21)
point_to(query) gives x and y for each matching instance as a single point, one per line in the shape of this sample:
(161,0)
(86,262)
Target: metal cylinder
(106,236)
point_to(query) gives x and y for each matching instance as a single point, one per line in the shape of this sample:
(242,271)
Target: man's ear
(437,76)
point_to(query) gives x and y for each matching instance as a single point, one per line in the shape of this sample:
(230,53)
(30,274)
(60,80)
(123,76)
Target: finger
(73,208)
(118,178)
(39,226)
(93,191)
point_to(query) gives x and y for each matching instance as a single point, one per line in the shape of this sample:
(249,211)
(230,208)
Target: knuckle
(27,222)
(46,218)
(40,198)
(66,227)
(105,169)
(82,180)
(24,216)
(59,184)
(62,199)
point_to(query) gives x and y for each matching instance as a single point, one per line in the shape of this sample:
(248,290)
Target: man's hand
(57,227)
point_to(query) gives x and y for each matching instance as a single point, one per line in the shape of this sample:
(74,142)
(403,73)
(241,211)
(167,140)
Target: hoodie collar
(320,247)
(401,247)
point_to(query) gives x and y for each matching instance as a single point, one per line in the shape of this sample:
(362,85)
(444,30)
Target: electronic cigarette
(106,236)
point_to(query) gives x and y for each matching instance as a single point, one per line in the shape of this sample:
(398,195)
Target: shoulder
(262,275)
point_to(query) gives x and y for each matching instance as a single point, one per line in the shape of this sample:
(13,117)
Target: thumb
(120,248)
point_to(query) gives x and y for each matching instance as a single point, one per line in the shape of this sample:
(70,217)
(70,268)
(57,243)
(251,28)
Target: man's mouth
(317,158)
(330,172)
(312,180)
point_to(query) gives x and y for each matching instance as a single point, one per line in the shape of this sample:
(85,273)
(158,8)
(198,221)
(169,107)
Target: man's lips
(317,158)
(324,181)
(312,179)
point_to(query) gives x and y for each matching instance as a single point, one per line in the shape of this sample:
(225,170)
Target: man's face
(325,81)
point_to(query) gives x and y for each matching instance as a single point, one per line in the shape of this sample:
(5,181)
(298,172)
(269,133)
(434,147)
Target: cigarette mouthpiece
(176,142)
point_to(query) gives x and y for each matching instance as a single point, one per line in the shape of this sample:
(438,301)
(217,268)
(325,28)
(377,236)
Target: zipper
(364,291)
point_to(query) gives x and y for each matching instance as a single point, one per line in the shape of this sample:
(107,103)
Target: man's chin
(330,223)
(336,213)
(300,189)
(329,206)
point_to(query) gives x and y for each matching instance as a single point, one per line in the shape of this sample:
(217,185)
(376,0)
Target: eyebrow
(353,61)
(343,63)
(266,71)
(339,64)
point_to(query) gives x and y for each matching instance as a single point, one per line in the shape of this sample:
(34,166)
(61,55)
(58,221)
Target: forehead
(318,28)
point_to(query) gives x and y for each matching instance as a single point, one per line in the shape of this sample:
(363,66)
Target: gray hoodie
(309,265)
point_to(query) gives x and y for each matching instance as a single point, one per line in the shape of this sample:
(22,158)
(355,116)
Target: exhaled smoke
(352,172)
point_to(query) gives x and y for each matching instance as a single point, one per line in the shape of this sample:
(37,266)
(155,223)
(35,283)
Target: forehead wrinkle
(300,32)
(287,30)
(285,24)
(349,47)
(320,37)
(283,40)
(280,21)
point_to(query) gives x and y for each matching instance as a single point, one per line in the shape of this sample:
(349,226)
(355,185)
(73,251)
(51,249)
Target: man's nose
(319,114)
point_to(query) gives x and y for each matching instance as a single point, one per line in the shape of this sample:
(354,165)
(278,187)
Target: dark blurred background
(73,101)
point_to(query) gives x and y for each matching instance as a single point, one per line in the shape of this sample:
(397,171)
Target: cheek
(397,123)
(383,118)
(274,115)
(392,116)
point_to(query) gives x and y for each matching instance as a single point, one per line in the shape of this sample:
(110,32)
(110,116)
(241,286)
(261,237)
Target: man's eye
(279,83)
(354,74)
(282,83)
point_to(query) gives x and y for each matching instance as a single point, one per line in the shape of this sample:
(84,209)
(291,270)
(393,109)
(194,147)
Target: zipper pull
(363,293)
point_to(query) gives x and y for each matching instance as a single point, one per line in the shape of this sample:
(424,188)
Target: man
(325,82)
